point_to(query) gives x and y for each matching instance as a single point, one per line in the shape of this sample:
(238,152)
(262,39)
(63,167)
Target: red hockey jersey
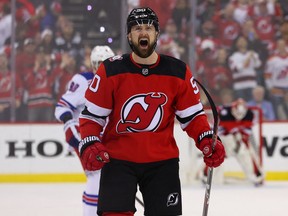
(141,103)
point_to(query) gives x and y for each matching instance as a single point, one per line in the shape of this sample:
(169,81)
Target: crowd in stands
(249,32)
(241,48)
(48,53)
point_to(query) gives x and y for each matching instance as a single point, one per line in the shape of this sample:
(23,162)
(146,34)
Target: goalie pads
(238,145)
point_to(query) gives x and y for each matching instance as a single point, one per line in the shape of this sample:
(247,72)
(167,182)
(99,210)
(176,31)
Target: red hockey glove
(71,129)
(212,157)
(93,154)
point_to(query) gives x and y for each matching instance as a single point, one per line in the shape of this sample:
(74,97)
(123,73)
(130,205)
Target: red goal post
(191,162)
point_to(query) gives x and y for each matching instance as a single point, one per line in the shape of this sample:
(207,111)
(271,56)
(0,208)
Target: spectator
(25,58)
(206,38)
(284,5)
(61,21)
(63,74)
(206,9)
(220,75)
(249,31)
(132,4)
(50,16)
(227,28)
(47,41)
(21,34)
(6,88)
(266,14)
(181,16)
(243,64)
(276,76)
(169,43)
(39,87)
(206,57)
(258,94)
(240,13)
(163,8)
(86,62)
(33,24)
(69,40)
(254,43)
(207,30)
(226,97)
(5,24)
(283,34)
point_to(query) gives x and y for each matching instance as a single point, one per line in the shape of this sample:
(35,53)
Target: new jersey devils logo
(142,112)
(173,199)
(231,32)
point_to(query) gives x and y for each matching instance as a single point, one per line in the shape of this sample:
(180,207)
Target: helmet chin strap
(130,44)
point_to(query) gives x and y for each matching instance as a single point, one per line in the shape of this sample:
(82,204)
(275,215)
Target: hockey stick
(139,201)
(214,139)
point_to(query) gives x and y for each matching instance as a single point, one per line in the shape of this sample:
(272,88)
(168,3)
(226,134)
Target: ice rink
(64,199)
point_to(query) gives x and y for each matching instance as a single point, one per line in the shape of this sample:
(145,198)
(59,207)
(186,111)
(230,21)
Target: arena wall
(38,153)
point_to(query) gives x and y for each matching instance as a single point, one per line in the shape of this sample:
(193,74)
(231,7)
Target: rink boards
(38,153)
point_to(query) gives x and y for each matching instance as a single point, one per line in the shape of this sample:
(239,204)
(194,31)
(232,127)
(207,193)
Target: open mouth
(143,42)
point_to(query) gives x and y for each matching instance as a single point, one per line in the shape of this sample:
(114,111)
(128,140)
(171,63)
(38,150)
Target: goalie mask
(139,16)
(239,109)
(99,54)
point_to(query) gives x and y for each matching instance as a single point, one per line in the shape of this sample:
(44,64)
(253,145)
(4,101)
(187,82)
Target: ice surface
(64,199)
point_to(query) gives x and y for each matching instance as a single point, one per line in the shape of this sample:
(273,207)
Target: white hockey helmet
(99,54)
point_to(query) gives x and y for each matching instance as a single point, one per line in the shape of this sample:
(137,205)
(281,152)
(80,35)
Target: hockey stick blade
(214,139)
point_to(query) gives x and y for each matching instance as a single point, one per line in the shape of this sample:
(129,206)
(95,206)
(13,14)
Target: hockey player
(67,111)
(235,130)
(141,93)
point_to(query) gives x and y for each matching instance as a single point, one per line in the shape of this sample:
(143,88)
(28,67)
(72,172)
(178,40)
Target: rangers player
(67,111)
(141,93)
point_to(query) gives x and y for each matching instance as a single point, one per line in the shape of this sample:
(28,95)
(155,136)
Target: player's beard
(143,53)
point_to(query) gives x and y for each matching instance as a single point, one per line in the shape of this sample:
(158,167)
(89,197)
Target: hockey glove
(93,154)
(71,129)
(213,157)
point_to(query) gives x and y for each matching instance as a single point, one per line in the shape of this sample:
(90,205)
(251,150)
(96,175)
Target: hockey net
(239,166)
